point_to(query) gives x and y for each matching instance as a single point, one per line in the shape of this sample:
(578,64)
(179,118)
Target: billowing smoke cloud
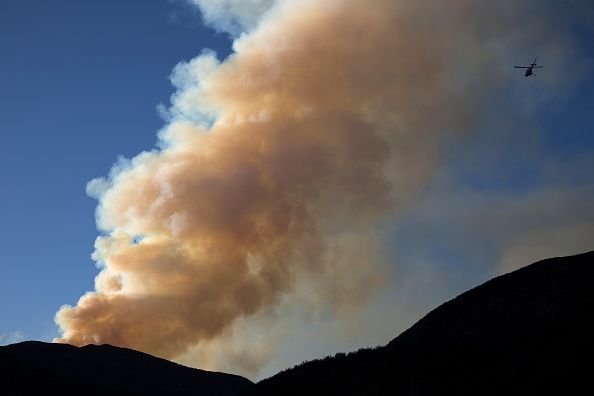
(279,164)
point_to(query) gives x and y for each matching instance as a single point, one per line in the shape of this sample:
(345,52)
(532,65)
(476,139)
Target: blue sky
(80,83)
(79,86)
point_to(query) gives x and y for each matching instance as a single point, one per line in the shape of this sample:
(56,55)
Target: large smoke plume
(279,163)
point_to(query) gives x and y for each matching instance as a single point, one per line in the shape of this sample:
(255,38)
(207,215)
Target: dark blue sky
(79,85)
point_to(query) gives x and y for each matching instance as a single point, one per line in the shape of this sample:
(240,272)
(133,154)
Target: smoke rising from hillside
(277,166)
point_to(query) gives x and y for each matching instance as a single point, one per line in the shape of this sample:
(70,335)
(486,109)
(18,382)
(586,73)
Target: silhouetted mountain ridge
(527,332)
(33,368)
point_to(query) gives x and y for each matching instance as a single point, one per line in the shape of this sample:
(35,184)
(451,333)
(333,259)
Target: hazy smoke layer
(279,163)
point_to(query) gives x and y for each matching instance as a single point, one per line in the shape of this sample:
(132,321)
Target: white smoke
(233,16)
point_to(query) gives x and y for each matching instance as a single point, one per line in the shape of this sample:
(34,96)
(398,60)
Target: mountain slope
(35,368)
(527,332)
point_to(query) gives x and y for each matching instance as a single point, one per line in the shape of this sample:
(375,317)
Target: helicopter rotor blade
(522,67)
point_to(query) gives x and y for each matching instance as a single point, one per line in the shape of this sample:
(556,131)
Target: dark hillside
(527,332)
(36,368)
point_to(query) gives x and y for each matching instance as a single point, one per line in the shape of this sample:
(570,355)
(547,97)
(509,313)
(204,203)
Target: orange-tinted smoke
(277,166)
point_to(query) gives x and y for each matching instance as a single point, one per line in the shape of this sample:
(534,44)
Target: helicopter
(529,69)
